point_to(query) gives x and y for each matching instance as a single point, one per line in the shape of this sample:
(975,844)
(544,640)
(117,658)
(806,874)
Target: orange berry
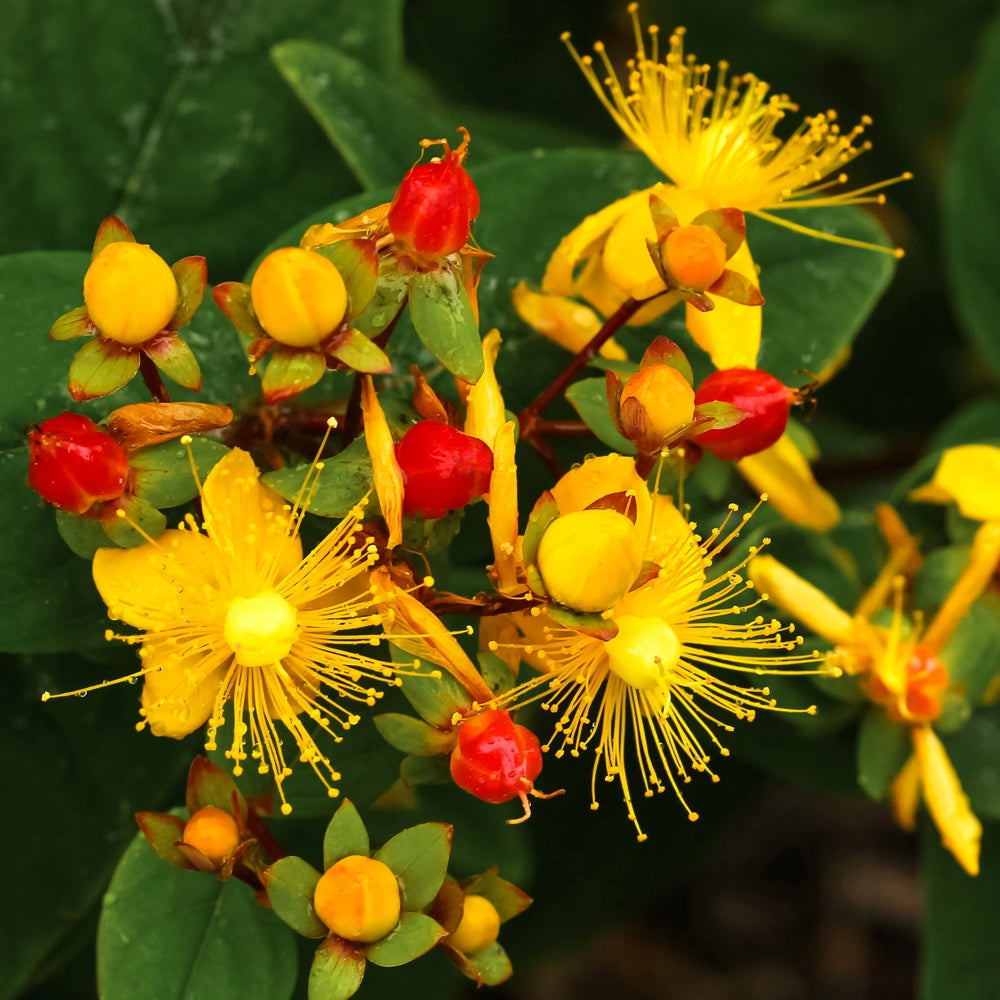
(358,899)
(213,832)
(695,256)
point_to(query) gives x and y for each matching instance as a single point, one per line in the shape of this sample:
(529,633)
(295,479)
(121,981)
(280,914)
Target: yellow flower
(968,476)
(900,666)
(231,612)
(650,688)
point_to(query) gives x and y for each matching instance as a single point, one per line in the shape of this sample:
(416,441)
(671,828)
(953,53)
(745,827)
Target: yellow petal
(170,580)
(387,474)
(949,806)
(905,794)
(565,321)
(502,518)
(784,475)
(969,475)
(249,524)
(485,413)
(804,602)
(178,694)
(626,256)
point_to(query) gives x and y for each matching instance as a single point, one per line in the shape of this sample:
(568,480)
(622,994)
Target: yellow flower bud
(588,559)
(298,296)
(213,832)
(695,256)
(666,396)
(643,652)
(479,926)
(358,899)
(130,292)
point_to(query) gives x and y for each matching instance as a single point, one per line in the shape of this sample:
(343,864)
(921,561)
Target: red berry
(74,464)
(765,401)
(435,204)
(495,760)
(443,469)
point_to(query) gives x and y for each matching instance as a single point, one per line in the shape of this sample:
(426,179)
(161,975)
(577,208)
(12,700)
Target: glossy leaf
(419,858)
(345,835)
(291,884)
(443,318)
(414,936)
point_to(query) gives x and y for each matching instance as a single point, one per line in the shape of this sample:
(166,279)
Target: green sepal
(717,415)
(590,624)
(663,351)
(415,770)
(162,472)
(111,230)
(883,748)
(75,323)
(143,514)
(357,262)
(445,322)
(435,695)
(590,398)
(233,298)
(290,371)
(191,275)
(491,966)
(209,785)
(291,883)
(175,359)
(100,367)
(418,857)
(545,511)
(340,485)
(507,899)
(337,970)
(664,217)
(413,936)
(498,676)
(412,735)
(735,287)
(729,224)
(345,835)
(84,535)
(354,349)
(163,831)
(390,294)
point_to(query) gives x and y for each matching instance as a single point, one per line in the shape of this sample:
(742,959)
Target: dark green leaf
(412,735)
(415,934)
(416,771)
(883,748)
(443,318)
(291,884)
(167,934)
(589,398)
(419,858)
(341,484)
(163,472)
(345,835)
(82,534)
(337,970)
(974,750)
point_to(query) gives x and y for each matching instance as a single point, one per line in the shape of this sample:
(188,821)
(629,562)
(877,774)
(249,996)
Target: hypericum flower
(134,305)
(902,667)
(230,611)
(968,476)
(646,681)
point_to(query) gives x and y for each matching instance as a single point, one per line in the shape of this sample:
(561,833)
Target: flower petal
(502,518)
(969,475)
(565,321)
(485,413)
(388,475)
(179,693)
(905,794)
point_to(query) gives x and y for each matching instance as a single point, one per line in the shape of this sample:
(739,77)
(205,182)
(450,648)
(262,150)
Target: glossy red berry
(443,469)
(495,760)
(74,464)
(764,399)
(433,208)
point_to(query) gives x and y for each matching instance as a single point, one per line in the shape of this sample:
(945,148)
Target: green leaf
(356,351)
(390,293)
(417,771)
(507,898)
(83,535)
(345,835)
(100,367)
(961,946)
(140,513)
(291,884)
(412,735)
(436,699)
(176,360)
(589,397)
(415,935)
(443,318)
(171,935)
(419,858)
(498,676)
(883,748)
(209,785)
(162,832)
(492,964)
(163,471)
(75,323)
(337,970)
(971,211)
(341,484)
(358,264)
(290,371)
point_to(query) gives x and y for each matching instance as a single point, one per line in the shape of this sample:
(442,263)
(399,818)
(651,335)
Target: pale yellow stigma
(643,652)
(260,630)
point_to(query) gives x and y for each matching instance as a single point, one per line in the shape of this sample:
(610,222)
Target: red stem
(151,377)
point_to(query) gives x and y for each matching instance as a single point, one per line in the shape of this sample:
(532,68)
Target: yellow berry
(358,899)
(695,256)
(213,832)
(666,396)
(478,928)
(298,296)
(130,292)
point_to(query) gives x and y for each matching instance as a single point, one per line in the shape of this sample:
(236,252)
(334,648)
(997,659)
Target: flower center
(643,652)
(260,630)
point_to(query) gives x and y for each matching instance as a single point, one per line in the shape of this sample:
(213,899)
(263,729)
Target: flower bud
(494,759)
(443,469)
(213,832)
(435,204)
(358,899)
(478,928)
(666,396)
(298,296)
(588,559)
(764,399)
(74,464)
(130,292)
(695,257)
